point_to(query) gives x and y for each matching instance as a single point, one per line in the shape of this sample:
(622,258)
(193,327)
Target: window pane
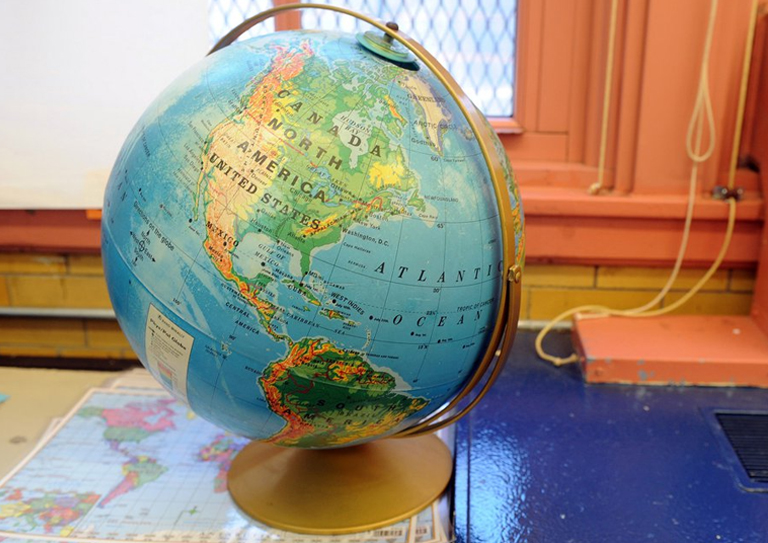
(473,39)
(224,15)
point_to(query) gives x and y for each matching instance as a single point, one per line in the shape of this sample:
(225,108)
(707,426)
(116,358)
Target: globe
(301,241)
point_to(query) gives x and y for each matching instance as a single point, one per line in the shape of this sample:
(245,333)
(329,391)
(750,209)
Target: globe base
(339,491)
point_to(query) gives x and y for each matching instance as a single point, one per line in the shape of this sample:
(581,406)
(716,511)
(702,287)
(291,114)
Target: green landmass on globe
(332,395)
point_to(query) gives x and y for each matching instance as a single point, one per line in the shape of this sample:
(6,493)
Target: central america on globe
(301,241)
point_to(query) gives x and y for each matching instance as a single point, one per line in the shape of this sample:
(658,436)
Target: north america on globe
(310,241)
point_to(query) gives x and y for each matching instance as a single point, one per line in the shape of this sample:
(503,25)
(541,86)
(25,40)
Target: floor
(546,458)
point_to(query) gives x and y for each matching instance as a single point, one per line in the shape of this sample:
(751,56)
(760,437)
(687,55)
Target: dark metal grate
(748,435)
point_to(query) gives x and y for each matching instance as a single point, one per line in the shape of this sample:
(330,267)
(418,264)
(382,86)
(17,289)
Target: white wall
(75,75)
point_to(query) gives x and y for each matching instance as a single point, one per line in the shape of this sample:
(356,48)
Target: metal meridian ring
(505,327)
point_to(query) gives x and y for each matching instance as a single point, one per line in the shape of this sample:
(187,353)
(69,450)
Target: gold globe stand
(364,487)
(339,491)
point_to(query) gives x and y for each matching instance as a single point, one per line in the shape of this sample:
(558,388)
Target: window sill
(506,125)
(569,225)
(578,203)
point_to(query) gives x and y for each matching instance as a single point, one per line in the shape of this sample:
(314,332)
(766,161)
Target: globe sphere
(301,240)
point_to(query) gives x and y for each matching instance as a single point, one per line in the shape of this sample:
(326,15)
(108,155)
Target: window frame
(638,218)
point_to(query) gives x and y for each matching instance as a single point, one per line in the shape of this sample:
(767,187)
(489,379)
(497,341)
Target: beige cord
(702,111)
(597,187)
(742,96)
(599,311)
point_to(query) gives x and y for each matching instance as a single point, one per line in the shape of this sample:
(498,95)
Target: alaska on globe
(301,240)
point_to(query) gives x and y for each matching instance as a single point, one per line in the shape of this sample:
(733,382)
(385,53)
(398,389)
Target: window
(473,39)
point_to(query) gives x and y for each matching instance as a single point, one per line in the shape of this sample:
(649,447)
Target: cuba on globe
(301,240)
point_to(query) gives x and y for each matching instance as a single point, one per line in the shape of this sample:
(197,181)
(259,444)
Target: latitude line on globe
(193,262)
(224,282)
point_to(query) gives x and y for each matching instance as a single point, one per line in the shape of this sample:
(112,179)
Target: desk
(547,458)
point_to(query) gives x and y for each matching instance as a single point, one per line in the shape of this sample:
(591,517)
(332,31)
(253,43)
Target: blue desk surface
(546,458)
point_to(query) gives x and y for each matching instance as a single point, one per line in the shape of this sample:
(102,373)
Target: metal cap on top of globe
(316,245)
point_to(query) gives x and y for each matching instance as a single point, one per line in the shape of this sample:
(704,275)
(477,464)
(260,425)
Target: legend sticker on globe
(168,348)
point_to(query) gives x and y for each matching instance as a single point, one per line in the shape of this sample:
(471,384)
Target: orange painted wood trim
(556,59)
(758,131)
(633,34)
(758,153)
(290,20)
(69,231)
(554,70)
(658,53)
(730,43)
(595,81)
(760,297)
(674,43)
(635,242)
(533,175)
(576,203)
(757,66)
(536,146)
(530,17)
(506,125)
(580,71)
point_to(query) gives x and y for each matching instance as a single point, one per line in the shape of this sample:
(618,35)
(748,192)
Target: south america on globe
(301,240)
